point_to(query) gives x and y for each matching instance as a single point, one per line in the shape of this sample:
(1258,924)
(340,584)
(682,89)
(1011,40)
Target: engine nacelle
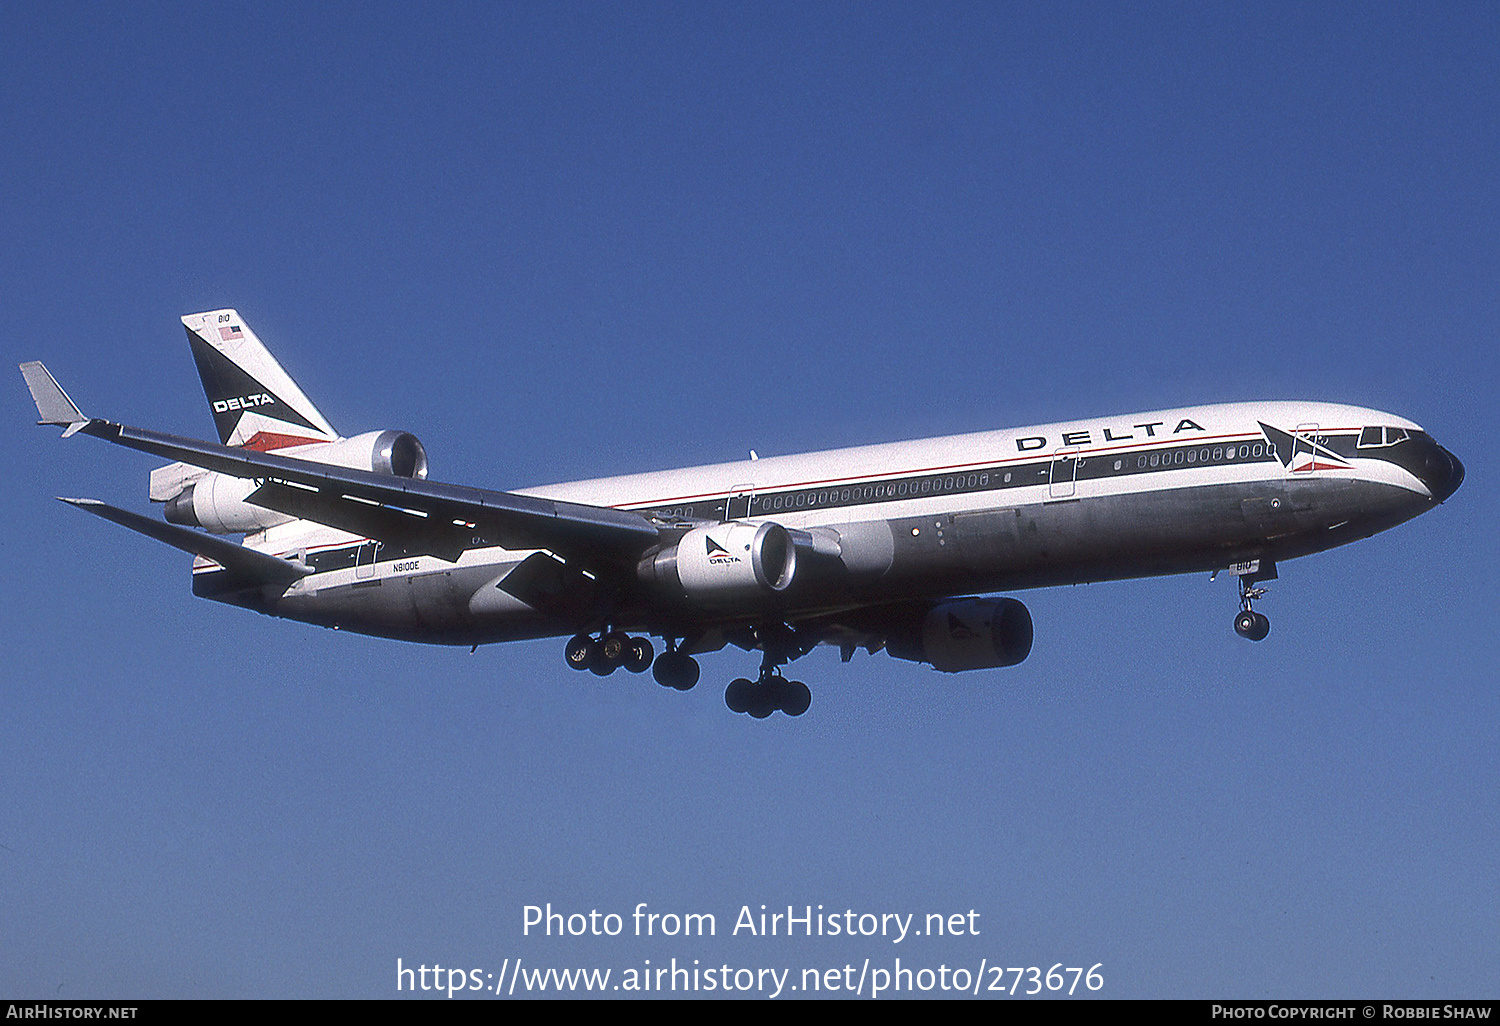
(397,453)
(732,562)
(966,634)
(216,502)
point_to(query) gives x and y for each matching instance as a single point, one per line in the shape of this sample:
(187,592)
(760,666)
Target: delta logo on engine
(717,554)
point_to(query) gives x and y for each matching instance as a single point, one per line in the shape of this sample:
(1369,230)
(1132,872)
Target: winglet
(52,403)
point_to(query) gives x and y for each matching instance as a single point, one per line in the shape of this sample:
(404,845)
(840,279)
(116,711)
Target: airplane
(899,546)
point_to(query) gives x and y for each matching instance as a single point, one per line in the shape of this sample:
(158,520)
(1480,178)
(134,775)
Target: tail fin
(255,403)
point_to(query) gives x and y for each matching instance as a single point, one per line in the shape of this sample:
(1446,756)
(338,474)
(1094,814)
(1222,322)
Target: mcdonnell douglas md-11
(897,546)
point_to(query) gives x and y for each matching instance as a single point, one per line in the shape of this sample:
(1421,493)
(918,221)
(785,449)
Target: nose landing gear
(1252,625)
(1248,623)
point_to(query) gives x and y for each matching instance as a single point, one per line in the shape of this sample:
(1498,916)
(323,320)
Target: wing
(419,515)
(442,518)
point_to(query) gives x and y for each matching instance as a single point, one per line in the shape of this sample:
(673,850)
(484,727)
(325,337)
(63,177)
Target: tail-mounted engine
(216,502)
(724,564)
(965,634)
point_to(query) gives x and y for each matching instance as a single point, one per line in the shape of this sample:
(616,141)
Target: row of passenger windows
(1204,455)
(898,490)
(939,485)
(963,482)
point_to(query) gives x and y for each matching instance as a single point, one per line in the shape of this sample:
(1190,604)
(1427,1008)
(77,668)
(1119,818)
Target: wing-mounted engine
(964,634)
(216,501)
(735,563)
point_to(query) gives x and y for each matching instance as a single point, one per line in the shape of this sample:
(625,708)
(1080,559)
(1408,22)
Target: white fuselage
(1109,497)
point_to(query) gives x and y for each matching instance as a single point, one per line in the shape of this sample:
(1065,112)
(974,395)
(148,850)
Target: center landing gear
(610,652)
(760,698)
(771,691)
(1248,623)
(675,669)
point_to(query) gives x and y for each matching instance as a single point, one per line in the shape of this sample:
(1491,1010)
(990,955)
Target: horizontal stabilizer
(52,403)
(259,565)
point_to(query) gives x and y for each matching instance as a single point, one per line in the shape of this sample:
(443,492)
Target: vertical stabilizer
(254,402)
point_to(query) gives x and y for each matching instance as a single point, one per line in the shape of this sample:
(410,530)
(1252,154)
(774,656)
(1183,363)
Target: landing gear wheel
(615,644)
(763,697)
(638,655)
(580,652)
(676,670)
(601,663)
(795,698)
(764,700)
(739,695)
(1252,625)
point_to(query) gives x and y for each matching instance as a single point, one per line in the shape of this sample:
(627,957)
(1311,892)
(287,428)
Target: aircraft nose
(1441,472)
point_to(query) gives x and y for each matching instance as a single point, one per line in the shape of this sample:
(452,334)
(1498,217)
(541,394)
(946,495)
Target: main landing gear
(614,649)
(674,668)
(609,652)
(1248,623)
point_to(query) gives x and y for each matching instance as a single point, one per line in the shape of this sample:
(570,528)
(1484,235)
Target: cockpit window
(1373,437)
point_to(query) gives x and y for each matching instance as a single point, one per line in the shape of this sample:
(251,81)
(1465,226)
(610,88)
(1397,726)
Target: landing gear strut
(771,691)
(1248,623)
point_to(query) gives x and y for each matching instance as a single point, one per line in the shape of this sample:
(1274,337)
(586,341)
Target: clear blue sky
(564,241)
